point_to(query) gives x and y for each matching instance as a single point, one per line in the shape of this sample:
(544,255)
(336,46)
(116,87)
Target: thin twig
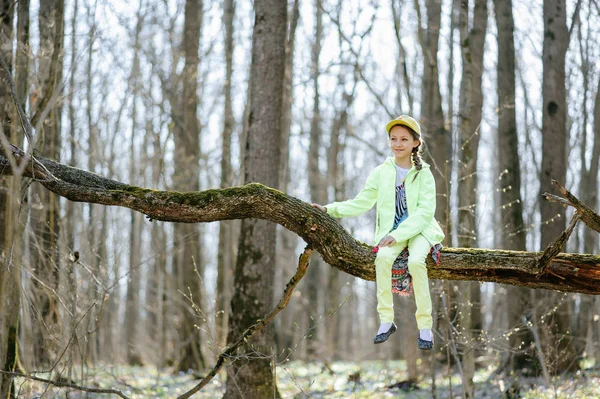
(532,325)
(453,346)
(556,198)
(588,216)
(250,331)
(65,385)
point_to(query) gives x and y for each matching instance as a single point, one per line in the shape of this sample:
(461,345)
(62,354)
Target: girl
(404,190)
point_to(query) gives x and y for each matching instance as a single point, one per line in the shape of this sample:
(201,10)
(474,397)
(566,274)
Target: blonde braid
(416,158)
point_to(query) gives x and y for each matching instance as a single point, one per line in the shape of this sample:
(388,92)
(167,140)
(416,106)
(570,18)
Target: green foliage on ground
(367,379)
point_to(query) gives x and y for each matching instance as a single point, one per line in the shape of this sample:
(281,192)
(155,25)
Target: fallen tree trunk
(565,272)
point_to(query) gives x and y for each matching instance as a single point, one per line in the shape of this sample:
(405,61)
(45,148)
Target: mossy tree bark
(566,272)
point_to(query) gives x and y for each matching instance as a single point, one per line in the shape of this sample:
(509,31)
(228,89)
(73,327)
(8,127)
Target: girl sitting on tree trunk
(403,188)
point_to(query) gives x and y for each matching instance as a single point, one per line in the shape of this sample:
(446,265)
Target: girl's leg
(418,249)
(383,269)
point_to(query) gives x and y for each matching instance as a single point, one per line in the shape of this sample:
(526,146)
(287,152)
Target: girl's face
(402,141)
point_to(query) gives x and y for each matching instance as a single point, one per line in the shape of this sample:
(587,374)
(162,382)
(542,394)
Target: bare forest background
(189,95)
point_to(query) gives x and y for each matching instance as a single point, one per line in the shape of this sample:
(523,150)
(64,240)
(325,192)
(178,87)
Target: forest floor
(295,379)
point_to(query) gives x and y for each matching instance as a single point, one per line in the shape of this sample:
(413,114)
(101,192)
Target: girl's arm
(423,214)
(363,201)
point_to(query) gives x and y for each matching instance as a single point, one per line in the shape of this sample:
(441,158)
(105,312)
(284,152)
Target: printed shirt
(401,207)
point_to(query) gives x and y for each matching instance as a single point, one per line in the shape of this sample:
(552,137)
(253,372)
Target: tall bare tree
(157,293)
(589,175)
(253,293)
(132,303)
(472,38)
(511,209)
(335,177)
(190,266)
(554,166)
(402,73)
(512,235)
(286,240)
(318,191)
(226,250)
(554,117)
(45,209)
(432,115)
(10,191)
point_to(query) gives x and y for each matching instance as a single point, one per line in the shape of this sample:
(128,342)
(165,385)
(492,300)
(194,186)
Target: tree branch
(66,385)
(554,247)
(250,331)
(587,215)
(566,272)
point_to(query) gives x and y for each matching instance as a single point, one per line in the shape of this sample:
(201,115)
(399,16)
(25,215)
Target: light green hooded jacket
(380,189)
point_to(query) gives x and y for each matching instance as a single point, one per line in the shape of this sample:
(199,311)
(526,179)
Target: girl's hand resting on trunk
(387,241)
(320,207)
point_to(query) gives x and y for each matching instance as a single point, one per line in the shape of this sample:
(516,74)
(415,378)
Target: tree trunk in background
(589,175)
(158,299)
(335,177)
(591,198)
(10,194)
(512,234)
(404,308)
(286,240)
(108,313)
(172,300)
(508,155)
(471,103)
(73,210)
(554,126)
(95,214)
(225,254)
(588,189)
(7,12)
(452,139)
(401,68)
(132,303)
(288,91)
(560,349)
(254,274)
(435,133)
(158,246)
(318,192)
(45,206)
(186,178)
(71,206)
